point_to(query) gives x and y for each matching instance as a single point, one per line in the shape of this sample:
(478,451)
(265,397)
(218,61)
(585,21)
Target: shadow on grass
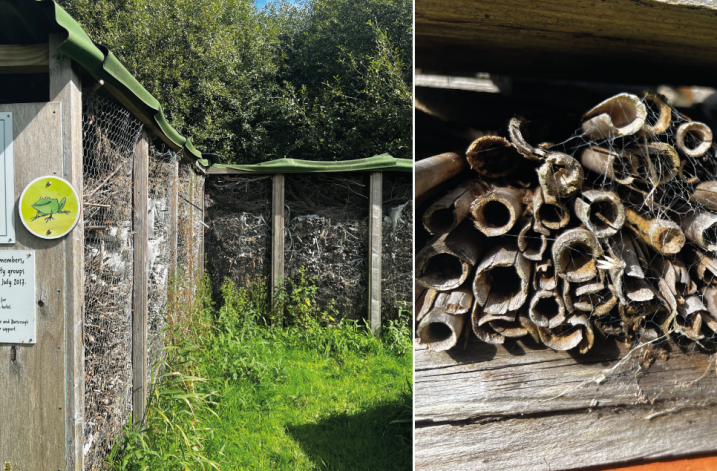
(361,441)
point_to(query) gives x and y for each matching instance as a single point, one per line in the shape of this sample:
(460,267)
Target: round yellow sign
(49,207)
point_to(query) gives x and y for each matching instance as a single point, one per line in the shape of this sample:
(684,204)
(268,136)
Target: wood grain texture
(543,37)
(173,221)
(200,252)
(141,278)
(375,220)
(20,59)
(277,237)
(523,406)
(33,388)
(66,88)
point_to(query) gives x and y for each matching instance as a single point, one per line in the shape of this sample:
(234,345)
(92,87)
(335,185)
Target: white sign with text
(17,297)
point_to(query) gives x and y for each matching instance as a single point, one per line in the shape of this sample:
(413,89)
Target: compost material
(608,231)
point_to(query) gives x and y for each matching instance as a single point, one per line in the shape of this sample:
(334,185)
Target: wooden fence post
(141,279)
(174,221)
(66,87)
(277,239)
(375,220)
(200,253)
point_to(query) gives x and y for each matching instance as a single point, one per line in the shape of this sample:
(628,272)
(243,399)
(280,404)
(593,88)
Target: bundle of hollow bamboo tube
(613,234)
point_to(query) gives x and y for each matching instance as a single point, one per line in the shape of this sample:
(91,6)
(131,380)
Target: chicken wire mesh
(110,134)
(396,242)
(161,182)
(190,226)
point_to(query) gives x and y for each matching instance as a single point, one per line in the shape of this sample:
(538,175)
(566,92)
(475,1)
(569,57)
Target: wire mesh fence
(396,243)
(110,134)
(326,234)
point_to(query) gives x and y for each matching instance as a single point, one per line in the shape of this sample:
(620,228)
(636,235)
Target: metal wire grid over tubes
(110,134)
(190,231)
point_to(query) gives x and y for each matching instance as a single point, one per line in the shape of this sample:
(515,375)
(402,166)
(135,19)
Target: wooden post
(277,239)
(38,393)
(202,208)
(375,219)
(141,279)
(65,87)
(173,221)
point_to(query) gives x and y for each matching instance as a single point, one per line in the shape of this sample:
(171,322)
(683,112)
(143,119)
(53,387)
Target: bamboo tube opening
(660,162)
(441,268)
(553,216)
(547,309)
(436,332)
(615,166)
(440,331)
(492,156)
(693,139)
(575,252)
(505,281)
(578,259)
(671,239)
(701,228)
(658,117)
(496,213)
(706,195)
(621,115)
(604,216)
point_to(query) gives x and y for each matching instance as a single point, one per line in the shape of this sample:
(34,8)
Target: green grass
(315,411)
(241,393)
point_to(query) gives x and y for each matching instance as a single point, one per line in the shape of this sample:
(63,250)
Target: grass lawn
(240,394)
(316,412)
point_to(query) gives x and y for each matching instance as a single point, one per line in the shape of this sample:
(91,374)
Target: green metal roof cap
(30,22)
(383,162)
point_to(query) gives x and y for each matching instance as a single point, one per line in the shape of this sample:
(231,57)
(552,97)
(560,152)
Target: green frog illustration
(47,206)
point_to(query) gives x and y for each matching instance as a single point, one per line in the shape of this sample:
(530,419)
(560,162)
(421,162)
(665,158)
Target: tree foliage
(324,80)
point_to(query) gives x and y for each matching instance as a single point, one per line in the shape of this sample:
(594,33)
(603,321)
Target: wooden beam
(375,220)
(66,88)
(644,41)
(277,239)
(525,405)
(34,382)
(141,279)
(19,59)
(173,221)
(200,252)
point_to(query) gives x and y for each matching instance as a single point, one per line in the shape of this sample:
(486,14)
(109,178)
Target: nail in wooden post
(66,87)
(277,239)
(375,219)
(141,280)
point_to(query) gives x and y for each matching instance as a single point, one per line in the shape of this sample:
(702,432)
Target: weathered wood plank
(174,221)
(141,278)
(375,220)
(200,253)
(33,399)
(469,400)
(277,238)
(24,59)
(529,37)
(66,88)
(567,440)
